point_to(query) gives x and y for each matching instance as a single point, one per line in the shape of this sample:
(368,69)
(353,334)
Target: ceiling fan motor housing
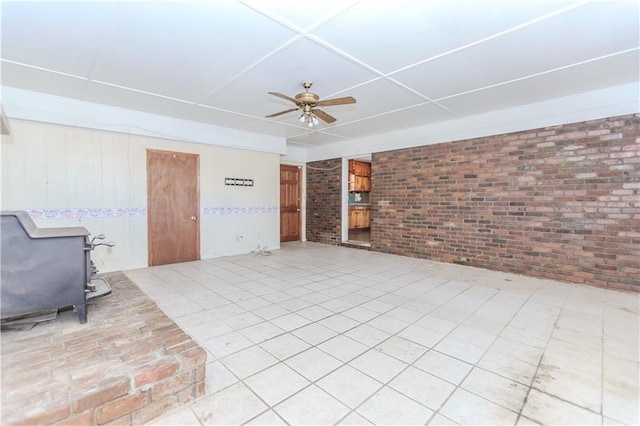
(307,98)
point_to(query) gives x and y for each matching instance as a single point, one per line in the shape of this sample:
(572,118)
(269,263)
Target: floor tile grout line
(283,361)
(535,374)
(459,385)
(556,396)
(347,362)
(456,386)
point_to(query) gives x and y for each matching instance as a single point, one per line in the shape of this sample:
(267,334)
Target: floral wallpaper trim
(237,210)
(74,213)
(102,213)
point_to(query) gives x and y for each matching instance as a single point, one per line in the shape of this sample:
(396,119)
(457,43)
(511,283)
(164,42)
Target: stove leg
(81,310)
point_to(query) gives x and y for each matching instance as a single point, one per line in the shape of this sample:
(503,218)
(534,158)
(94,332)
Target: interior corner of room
(5,128)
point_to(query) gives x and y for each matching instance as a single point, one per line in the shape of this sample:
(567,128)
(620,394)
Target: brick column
(324,201)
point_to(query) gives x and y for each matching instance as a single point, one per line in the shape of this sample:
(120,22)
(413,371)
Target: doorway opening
(359,201)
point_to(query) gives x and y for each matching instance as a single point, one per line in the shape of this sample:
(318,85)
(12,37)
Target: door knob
(297,210)
(193,218)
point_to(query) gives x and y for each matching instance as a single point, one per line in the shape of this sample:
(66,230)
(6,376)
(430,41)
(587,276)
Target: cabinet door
(366,169)
(367,217)
(352,182)
(359,217)
(366,184)
(352,217)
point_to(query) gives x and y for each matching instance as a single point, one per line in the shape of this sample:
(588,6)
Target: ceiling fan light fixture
(302,118)
(314,120)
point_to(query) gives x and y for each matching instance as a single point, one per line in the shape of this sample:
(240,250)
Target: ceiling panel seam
(285,22)
(114,19)
(43,69)
(246,70)
(491,37)
(502,83)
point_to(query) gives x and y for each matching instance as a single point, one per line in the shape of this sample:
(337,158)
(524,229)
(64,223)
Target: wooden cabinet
(359,217)
(359,176)
(359,181)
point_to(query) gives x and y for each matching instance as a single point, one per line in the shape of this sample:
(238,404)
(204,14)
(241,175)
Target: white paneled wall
(68,176)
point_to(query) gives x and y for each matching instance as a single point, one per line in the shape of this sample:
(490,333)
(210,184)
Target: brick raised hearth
(127,365)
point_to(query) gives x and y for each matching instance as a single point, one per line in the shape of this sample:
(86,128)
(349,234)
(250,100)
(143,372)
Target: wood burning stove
(42,269)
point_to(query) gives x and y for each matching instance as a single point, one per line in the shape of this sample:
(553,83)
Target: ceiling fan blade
(281,112)
(324,116)
(280,95)
(338,101)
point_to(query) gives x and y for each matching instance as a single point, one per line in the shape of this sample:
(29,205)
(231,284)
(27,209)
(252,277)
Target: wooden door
(173,207)
(290,216)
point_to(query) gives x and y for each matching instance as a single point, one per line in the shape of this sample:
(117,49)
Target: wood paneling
(90,169)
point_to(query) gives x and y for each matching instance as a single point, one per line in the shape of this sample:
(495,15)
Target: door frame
(345,199)
(345,191)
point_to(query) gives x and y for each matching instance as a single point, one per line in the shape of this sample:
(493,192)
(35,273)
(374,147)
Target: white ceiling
(408,63)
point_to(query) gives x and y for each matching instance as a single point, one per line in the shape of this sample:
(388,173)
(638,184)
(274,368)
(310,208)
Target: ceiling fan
(309,102)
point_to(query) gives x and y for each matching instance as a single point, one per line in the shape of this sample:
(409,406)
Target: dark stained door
(290,216)
(173,207)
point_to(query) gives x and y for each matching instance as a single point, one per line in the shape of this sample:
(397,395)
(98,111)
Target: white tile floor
(317,334)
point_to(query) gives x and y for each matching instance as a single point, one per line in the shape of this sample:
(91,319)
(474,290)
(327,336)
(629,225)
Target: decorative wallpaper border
(87,213)
(238,210)
(106,213)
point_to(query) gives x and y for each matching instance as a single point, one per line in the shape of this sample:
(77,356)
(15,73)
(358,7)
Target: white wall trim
(34,106)
(610,102)
(295,155)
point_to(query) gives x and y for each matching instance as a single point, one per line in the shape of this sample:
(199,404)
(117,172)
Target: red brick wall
(561,202)
(324,201)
